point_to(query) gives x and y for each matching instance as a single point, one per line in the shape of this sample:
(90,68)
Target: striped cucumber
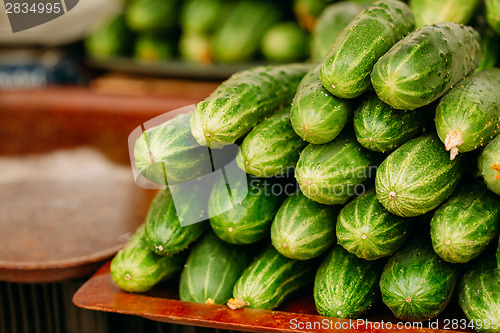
(489,165)
(366,229)
(137,269)
(379,127)
(421,67)
(346,286)
(334,172)
(244,100)
(317,116)
(417,177)
(211,271)
(271,148)
(346,69)
(468,115)
(493,14)
(270,279)
(303,229)
(429,12)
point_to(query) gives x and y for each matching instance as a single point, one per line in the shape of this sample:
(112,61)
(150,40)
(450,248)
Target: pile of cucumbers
(387,154)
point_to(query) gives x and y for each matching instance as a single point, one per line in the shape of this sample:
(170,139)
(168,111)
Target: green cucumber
(479,295)
(489,165)
(245,222)
(490,46)
(346,69)
(498,254)
(330,25)
(244,100)
(379,127)
(334,172)
(303,229)
(416,284)
(137,269)
(316,115)
(168,153)
(164,231)
(421,67)
(195,48)
(152,15)
(346,286)
(466,225)
(111,39)
(468,115)
(429,12)
(154,48)
(270,279)
(211,271)
(307,12)
(272,147)
(285,42)
(201,16)
(493,14)
(365,228)
(417,177)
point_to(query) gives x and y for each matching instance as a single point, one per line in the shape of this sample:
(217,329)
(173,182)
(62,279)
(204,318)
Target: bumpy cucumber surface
(366,229)
(489,165)
(347,67)
(303,229)
(317,116)
(493,14)
(381,128)
(244,100)
(417,177)
(429,12)
(421,67)
(272,147)
(468,115)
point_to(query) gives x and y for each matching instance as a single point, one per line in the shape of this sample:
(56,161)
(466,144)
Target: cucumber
(196,48)
(137,269)
(152,15)
(468,115)
(479,295)
(272,148)
(244,100)
(346,69)
(429,12)
(365,228)
(334,172)
(416,284)
(489,165)
(154,48)
(200,17)
(493,14)
(160,149)
(421,67)
(330,25)
(285,42)
(490,46)
(270,279)
(165,234)
(307,12)
(303,229)
(346,286)
(466,225)
(211,271)
(248,221)
(417,177)
(380,128)
(498,254)
(113,38)
(316,115)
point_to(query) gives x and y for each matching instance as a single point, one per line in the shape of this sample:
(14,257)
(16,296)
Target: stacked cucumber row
(371,175)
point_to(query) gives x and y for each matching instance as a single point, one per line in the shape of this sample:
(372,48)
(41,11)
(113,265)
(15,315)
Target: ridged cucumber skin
(244,100)
(381,128)
(317,116)
(493,14)
(211,270)
(416,284)
(271,278)
(330,25)
(164,233)
(466,224)
(421,67)
(489,165)
(334,172)
(303,229)
(428,12)
(468,115)
(346,286)
(158,150)
(272,147)
(366,229)
(249,221)
(137,269)
(417,177)
(479,295)
(346,69)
